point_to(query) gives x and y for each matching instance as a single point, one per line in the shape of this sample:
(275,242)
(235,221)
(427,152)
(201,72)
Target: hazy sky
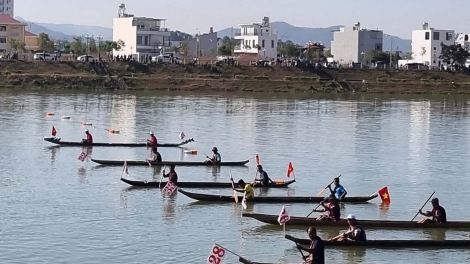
(396,17)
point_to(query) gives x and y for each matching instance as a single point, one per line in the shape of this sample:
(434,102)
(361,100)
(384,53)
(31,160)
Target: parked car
(83,58)
(44,56)
(161,59)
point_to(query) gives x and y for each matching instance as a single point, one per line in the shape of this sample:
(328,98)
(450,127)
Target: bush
(242,77)
(261,77)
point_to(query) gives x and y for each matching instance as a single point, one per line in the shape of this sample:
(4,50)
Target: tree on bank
(45,43)
(454,54)
(374,56)
(288,49)
(17,45)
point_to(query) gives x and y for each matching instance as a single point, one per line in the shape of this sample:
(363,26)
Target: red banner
(217,255)
(170,188)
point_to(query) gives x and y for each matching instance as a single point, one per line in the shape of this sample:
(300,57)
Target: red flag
(384,195)
(54,132)
(257,159)
(290,169)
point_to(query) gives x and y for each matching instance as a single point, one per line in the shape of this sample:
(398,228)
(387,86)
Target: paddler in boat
(354,233)
(264,179)
(338,190)
(153,140)
(332,210)
(216,158)
(246,188)
(316,249)
(438,213)
(172,175)
(89,138)
(156,157)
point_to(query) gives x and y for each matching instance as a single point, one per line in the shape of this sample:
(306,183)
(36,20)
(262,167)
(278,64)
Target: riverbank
(131,76)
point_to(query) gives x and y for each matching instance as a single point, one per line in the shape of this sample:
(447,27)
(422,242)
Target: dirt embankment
(131,76)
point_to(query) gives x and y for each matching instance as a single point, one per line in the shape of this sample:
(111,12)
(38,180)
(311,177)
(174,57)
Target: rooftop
(29,34)
(7,19)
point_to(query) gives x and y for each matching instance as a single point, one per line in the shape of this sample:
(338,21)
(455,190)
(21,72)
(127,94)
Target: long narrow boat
(246,261)
(168,163)
(271,199)
(101,144)
(368,224)
(389,243)
(153,184)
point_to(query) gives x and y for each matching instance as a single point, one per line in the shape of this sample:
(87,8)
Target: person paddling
(332,209)
(153,140)
(216,158)
(264,179)
(246,188)
(89,138)
(354,233)
(316,248)
(438,213)
(172,175)
(155,155)
(338,190)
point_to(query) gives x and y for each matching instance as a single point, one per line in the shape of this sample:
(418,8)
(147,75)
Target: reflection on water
(384,208)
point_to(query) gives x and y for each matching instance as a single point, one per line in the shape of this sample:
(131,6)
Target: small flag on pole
(182,135)
(170,188)
(82,156)
(290,169)
(283,216)
(125,169)
(257,159)
(244,201)
(217,254)
(54,132)
(384,195)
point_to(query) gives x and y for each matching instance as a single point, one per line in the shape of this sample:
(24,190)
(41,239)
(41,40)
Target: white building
(7,7)
(464,40)
(350,44)
(142,36)
(426,44)
(257,40)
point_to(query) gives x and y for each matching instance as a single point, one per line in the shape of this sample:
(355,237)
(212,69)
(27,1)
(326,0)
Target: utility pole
(87,37)
(99,37)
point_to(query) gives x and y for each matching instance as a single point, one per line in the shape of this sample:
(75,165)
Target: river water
(56,209)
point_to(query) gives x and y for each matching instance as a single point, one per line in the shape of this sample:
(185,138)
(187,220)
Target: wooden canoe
(101,144)
(388,243)
(368,224)
(168,163)
(246,261)
(154,184)
(271,199)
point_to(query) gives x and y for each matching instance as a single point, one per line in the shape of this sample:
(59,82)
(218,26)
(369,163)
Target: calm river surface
(56,209)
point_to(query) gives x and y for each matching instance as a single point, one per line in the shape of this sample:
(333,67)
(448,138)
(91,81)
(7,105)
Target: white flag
(244,201)
(124,168)
(283,216)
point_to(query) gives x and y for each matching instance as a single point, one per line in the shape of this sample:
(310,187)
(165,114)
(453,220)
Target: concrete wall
(125,31)
(208,45)
(7,7)
(348,45)
(426,48)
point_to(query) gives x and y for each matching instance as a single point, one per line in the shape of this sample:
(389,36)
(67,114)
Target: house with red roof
(10,30)
(31,41)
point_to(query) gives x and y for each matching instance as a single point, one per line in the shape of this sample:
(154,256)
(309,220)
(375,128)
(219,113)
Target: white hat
(86,130)
(151,133)
(351,216)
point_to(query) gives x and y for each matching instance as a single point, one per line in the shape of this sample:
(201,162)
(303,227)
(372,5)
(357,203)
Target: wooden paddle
(338,236)
(291,238)
(423,206)
(316,207)
(209,159)
(161,178)
(235,195)
(321,192)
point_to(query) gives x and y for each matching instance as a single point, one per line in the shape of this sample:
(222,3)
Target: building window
(272,44)
(3,28)
(139,40)
(434,48)
(378,46)
(254,44)
(246,44)
(256,31)
(435,36)
(262,45)
(466,37)
(448,36)
(426,36)
(3,40)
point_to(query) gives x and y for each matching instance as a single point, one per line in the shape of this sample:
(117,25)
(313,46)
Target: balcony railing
(154,29)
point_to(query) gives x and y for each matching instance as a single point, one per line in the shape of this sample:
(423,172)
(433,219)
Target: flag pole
(284,227)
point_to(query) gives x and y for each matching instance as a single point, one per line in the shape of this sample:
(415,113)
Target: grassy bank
(130,76)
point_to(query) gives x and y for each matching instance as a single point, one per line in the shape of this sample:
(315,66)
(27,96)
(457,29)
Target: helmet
(151,133)
(86,131)
(214,149)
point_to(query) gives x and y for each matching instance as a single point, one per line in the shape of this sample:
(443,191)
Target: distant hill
(68,31)
(302,35)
